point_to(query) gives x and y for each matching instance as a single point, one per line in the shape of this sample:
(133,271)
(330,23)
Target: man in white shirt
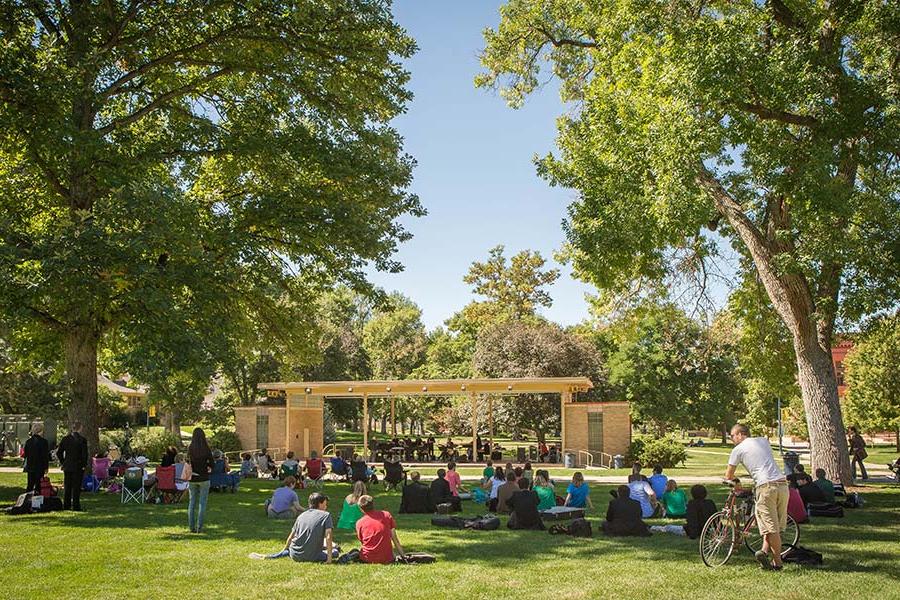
(770,488)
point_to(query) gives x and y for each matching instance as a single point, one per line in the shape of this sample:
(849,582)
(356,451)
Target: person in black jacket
(37,458)
(699,510)
(523,506)
(623,517)
(416,497)
(441,494)
(73,458)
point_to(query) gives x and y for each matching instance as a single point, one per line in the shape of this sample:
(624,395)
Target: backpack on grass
(825,509)
(577,528)
(802,556)
(485,523)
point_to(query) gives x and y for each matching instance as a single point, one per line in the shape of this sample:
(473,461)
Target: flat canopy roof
(436,387)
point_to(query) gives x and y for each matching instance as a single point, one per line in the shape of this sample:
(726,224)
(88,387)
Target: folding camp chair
(100,470)
(165,485)
(133,486)
(222,479)
(315,468)
(393,475)
(286,471)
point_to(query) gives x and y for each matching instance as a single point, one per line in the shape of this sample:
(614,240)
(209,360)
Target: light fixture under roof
(308,390)
(350,389)
(509,387)
(388,388)
(464,387)
(424,388)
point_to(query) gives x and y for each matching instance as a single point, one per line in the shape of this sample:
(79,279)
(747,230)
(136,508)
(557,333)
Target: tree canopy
(873,377)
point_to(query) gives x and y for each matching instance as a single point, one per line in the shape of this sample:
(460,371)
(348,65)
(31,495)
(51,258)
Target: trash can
(569,460)
(618,461)
(791,460)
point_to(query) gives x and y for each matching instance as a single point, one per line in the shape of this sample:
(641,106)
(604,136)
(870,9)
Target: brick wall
(306,431)
(616,426)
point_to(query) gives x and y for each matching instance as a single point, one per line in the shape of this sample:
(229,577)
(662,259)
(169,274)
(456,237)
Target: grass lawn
(132,551)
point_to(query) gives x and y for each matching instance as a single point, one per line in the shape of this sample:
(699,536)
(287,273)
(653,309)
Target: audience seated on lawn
(799,475)
(545,492)
(377,532)
(623,517)
(221,478)
(360,471)
(168,458)
(454,480)
(315,467)
(310,539)
(248,467)
(505,492)
(350,512)
(825,485)
(393,472)
(657,481)
(642,492)
(289,466)
(284,503)
(524,506)
(578,494)
(265,464)
(674,500)
(528,474)
(180,484)
(498,479)
(699,510)
(636,473)
(416,497)
(339,466)
(796,508)
(488,472)
(810,492)
(441,494)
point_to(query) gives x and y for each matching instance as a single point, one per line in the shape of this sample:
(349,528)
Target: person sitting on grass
(636,473)
(290,464)
(623,517)
(795,506)
(315,467)
(658,481)
(545,492)
(248,467)
(416,497)
(377,532)
(699,510)
(454,480)
(265,464)
(441,494)
(809,492)
(893,467)
(351,512)
(506,491)
(284,503)
(528,474)
(310,539)
(488,472)
(578,494)
(824,484)
(674,500)
(524,506)
(641,491)
(493,485)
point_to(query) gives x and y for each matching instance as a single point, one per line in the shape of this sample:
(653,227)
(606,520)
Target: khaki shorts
(771,507)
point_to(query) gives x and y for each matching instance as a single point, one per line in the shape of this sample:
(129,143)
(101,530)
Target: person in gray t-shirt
(310,534)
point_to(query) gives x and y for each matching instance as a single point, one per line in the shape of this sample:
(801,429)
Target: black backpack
(577,528)
(802,556)
(825,509)
(485,523)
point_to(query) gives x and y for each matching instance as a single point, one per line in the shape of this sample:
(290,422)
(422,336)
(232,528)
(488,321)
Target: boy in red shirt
(376,531)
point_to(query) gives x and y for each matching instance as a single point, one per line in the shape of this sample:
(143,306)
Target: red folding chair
(165,485)
(315,468)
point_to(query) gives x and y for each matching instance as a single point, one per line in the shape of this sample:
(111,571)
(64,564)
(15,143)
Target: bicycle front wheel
(789,537)
(717,540)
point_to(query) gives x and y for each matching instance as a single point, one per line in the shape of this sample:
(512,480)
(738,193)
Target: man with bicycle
(770,489)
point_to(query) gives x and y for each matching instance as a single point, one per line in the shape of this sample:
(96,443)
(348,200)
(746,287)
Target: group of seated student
(524,508)
(265,465)
(350,512)
(407,448)
(248,466)
(625,515)
(361,471)
(804,491)
(441,491)
(284,503)
(416,496)
(311,537)
(339,466)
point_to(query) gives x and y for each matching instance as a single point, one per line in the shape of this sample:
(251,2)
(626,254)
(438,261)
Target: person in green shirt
(674,500)
(351,513)
(546,493)
(825,485)
(488,471)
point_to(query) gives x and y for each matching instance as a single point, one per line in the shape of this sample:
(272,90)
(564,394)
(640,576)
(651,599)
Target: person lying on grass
(310,538)
(377,532)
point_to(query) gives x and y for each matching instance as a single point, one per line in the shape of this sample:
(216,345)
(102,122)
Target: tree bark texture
(81,374)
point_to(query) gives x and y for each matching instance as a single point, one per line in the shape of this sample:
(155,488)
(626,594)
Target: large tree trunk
(81,375)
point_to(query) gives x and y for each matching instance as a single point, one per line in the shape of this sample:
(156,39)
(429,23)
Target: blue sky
(475,173)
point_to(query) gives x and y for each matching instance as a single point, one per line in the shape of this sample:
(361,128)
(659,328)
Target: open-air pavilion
(592,431)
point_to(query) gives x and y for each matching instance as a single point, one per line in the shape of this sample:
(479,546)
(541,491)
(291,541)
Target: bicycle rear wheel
(789,537)
(717,540)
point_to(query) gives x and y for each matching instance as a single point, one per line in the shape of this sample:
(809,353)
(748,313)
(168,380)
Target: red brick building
(838,354)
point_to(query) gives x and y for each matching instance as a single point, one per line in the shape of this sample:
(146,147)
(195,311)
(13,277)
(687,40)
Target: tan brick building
(597,427)
(266,426)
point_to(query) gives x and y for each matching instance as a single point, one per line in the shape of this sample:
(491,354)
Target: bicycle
(724,532)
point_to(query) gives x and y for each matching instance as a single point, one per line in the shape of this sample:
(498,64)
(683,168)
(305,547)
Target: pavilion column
(564,399)
(491,420)
(393,420)
(365,403)
(287,423)
(474,424)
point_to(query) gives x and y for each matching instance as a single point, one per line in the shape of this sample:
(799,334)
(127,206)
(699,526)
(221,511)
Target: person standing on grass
(37,458)
(770,489)
(377,532)
(857,453)
(200,458)
(73,458)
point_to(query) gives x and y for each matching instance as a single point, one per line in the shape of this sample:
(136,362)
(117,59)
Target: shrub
(665,451)
(111,437)
(635,451)
(225,440)
(152,443)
